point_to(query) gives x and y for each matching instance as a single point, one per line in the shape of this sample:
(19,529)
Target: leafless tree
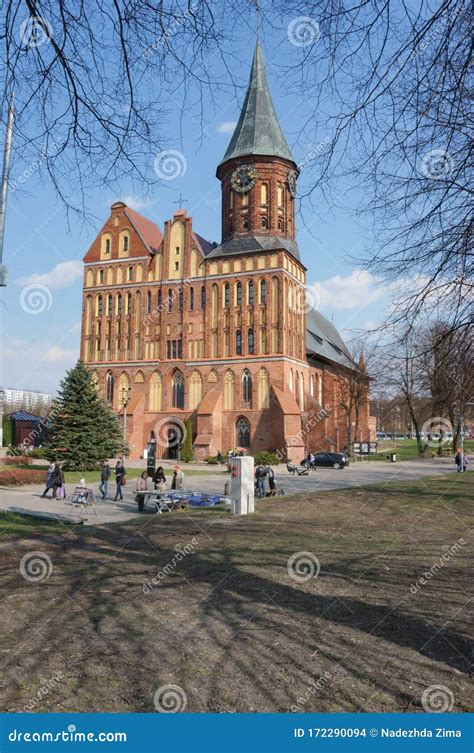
(93,83)
(352,396)
(390,100)
(448,373)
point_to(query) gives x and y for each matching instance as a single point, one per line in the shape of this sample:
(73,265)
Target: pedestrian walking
(461,461)
(58,479)
(50,474)
(260,475)
(119,480)
(104,479)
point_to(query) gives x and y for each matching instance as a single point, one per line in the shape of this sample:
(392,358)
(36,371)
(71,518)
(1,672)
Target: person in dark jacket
(50,476)
(58,479)
(159,477)
(104,479)
(260,476)
(119,480)
(271,477)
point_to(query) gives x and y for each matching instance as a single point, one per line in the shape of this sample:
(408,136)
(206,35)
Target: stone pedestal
(243,485)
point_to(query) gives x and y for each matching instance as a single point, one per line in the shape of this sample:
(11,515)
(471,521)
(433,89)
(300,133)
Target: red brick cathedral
(175,327)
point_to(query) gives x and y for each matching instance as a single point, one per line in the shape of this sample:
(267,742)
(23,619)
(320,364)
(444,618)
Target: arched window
(130,274)
(100,305)
(125,244)
(245,223)
(229,385)
(160,299)
(128,303)
(264,194)
(238,294)
(101,276)
(214,306)
(264,223)
(156,392)
(250,341)
(263,291)
(280,224)
(311,385)
(203,297)
(110,305)
(263,388)
(191,299)
(181,299)
(107,245)
(109,388)
(290,383)
(148,302)
(250,293)
(242,433)
(297,387)
(247,386)
(238,342)
(119,304)
(88,314)
(195,390)
(226,295)
(170,300)
(178,390)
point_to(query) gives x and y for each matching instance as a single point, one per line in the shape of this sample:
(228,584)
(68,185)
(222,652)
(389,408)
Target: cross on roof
(179,200)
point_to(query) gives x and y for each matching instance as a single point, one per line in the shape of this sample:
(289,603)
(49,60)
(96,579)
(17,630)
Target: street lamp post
(125,396)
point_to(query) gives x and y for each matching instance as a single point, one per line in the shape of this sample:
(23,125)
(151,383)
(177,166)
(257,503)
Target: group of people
(264,473)
(55,482)
(120,479)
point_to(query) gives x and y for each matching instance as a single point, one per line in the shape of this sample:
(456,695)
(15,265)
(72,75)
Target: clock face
(243,178)
(291,180)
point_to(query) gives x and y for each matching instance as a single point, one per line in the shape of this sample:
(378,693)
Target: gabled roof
(21,415)
(204,246)
(324,341)
(258,130)
(149,232)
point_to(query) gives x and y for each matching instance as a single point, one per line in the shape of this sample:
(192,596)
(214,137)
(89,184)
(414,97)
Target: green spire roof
(258,130)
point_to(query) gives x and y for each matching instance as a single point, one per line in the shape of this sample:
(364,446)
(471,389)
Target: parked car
(329,460)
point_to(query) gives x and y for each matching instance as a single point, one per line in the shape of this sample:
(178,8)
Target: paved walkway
(27,499)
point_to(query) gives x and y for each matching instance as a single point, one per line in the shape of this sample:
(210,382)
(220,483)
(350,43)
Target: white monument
(243,485)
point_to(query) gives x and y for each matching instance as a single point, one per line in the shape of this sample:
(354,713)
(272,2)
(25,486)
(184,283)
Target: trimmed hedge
(266,457)
(20,476)
(17,460)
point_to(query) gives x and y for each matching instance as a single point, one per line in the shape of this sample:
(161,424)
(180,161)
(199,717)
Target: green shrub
(266,457)
(7,430)
(211,460)
(187,453)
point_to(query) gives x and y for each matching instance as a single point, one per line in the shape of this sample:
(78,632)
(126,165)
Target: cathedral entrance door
(174,438)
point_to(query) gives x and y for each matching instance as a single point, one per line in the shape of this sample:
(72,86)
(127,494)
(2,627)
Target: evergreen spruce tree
(84,430)
(186,448)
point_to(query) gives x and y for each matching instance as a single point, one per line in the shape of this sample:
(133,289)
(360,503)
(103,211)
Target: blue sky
(41,306)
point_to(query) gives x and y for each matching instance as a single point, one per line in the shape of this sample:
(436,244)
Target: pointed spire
(258,130)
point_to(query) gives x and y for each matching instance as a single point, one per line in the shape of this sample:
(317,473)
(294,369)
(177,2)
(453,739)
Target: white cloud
(56,354)
(62,275)
(228,126)
(135,203)
(359,289)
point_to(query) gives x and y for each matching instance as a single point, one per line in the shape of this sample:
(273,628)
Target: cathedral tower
(258,175)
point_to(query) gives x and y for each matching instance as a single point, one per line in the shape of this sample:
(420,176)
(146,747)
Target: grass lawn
(407,449)
(228,622)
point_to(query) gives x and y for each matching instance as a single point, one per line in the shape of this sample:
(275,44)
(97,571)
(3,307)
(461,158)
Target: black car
(328,460)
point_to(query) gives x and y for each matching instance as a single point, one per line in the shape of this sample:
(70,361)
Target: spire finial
(257,19)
